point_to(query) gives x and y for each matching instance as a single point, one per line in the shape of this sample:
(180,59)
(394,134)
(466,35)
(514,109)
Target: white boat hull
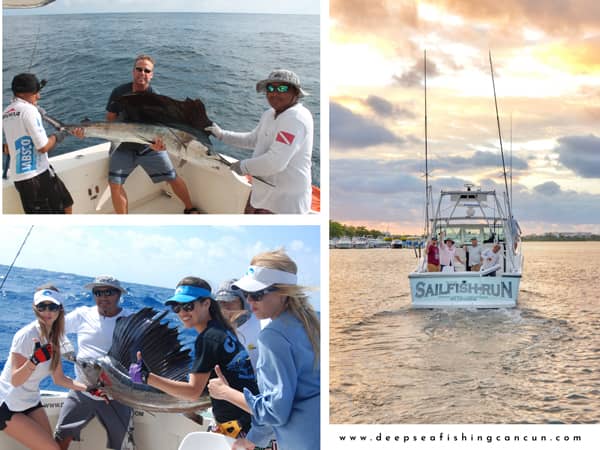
(463,290)
(151,430)
(85,173)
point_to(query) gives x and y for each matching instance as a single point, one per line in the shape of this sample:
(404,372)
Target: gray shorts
(78,409)
(157,165)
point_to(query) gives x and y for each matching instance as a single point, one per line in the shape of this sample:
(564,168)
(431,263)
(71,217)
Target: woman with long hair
(216,344)
(34,354)
(288,368)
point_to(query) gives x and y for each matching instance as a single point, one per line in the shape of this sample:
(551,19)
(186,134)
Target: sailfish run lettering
(500,290)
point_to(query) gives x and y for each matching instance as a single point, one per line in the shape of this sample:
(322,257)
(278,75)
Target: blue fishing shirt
(289,386)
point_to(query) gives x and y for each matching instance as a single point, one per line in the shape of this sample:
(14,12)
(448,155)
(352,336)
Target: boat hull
(463,290)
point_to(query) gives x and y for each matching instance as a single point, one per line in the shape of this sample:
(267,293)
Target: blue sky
(230,6)
(161,256)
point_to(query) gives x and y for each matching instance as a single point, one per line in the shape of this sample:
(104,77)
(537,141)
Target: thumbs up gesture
(218,387)
(41,353)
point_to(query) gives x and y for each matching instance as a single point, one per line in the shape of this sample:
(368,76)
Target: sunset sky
(546,58)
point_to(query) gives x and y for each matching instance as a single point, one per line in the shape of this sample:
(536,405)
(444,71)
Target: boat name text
(501,290)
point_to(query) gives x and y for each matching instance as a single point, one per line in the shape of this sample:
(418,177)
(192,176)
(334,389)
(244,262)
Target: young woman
(34,354)
(288,368)
(216,344)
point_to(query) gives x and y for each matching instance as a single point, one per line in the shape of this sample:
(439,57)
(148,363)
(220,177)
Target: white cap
(47,295)
(258,278)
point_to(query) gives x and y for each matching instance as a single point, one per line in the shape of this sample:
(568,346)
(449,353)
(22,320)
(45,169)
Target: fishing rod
(426,156)
(16,256)
(500,137)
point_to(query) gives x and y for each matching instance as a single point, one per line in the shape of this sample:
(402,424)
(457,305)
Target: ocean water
(538,363)
(17,295)
(215,57)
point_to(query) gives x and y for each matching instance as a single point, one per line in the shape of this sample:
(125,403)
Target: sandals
(192,210)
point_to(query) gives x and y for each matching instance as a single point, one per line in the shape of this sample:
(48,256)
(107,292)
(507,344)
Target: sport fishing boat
(462,215)
(473,214)
(344,242)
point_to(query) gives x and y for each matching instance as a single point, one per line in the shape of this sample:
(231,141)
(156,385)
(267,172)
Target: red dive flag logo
(285,137)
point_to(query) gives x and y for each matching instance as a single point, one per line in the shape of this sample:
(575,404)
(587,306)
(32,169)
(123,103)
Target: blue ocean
(16,298)
(217,58)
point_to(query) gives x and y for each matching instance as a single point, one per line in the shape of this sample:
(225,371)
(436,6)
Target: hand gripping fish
(163,355)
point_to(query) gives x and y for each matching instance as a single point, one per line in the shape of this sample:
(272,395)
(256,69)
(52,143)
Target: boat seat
(206,440)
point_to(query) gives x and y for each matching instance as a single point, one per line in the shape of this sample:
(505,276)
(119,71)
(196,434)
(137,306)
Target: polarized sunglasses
(187,307)
(258,295)
(142,69)
(281,88)
(52,307)
(104,292)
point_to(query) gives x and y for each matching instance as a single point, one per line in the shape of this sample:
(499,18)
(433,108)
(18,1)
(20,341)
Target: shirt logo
(285,137)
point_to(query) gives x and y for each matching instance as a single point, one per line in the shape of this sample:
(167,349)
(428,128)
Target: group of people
(282,148)
(441,255)
(257,352)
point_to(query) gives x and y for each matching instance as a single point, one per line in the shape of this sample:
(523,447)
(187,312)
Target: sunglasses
(52,307)
(104,292)
(187,307)
(258,295)
(281,88)
(141,69)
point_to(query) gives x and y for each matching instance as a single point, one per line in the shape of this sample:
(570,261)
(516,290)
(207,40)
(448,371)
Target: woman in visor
(288,367)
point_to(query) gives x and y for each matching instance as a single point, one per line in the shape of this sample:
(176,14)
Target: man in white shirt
(94,326)
(491,257)
(282,144)
(474,252)
(40,189)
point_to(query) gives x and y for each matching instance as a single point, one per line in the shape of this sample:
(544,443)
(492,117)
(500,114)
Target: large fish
(162,353)
(179,143)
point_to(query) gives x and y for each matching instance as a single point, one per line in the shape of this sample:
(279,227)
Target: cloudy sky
(546,58)
(160,256)
(238,6)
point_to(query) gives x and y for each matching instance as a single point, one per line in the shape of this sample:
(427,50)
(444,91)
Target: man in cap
(94,326)
(447,253)
(282,144)
(236,309)
(40,189)
(473,255)
(432,250)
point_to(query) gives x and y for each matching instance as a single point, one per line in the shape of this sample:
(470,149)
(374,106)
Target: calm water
(538,363)
(215,57)
(17,295)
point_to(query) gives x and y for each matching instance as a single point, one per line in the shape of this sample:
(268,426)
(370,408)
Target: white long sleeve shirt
(282,156)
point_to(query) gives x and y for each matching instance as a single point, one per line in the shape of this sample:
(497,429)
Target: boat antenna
(511,161)
(500,137)
(426,156)
(16,256)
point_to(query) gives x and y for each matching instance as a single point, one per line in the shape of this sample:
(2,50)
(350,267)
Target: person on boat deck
(35,353)
(474,255)
(432,251)
(447,252)
(491,257)
(94,326)
(237,310)
(127,156)
(216,344)
(282,144)
(288,368)
(40,189)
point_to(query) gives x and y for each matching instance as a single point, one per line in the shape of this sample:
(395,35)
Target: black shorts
(44,194)
(6,414)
